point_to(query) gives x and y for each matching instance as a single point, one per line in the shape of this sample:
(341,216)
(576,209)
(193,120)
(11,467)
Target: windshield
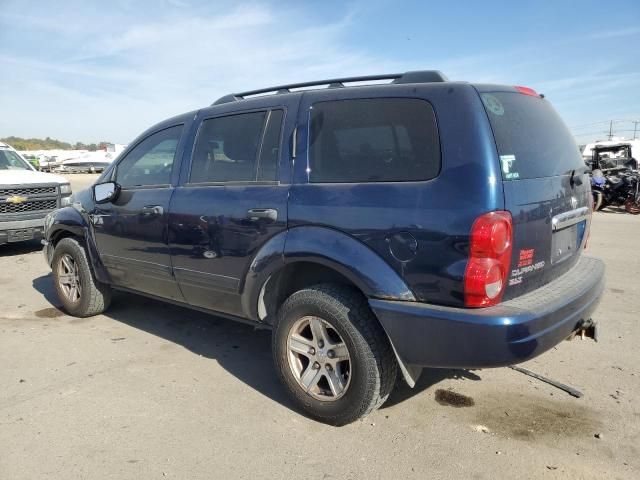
(11,161)
(532,139)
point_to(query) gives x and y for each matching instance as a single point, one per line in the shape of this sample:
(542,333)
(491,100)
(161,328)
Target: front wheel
(598,199)
(80,293)
(332,354)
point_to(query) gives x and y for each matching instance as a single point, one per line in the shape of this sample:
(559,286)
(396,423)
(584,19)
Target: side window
(151,161)
(373,140)
(238,148)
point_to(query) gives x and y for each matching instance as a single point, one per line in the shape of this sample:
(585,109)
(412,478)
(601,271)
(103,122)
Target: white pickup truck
(26,196)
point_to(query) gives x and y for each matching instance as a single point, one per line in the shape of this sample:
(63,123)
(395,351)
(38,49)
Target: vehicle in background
(632,145)
(374,228)
(618,187)
(87,162)
(84,164)
(46,163)
(615,179)
(606,157)
(26,197)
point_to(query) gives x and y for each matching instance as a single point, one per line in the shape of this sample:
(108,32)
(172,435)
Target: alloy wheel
(69,278)
(319,358)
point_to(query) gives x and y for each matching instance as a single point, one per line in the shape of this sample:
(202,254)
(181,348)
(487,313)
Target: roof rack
(418,76)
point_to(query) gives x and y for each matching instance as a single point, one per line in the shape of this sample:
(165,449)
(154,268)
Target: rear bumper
(509,333)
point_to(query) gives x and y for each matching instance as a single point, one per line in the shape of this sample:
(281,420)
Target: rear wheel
(332,354)
(632,206)
(79,292)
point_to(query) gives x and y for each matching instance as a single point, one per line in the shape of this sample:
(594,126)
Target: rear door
(546,187)
(232,200)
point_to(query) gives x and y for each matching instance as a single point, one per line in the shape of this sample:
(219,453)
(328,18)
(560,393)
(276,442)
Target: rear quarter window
(531,138)
(373,140)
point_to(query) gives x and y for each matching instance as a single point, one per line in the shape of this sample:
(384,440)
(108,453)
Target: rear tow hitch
(587,329)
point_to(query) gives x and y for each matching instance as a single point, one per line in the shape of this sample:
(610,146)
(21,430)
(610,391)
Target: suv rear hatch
(546,187)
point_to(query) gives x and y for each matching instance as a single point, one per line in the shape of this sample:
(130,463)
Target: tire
(597,201)
(91,297)
(369,374)
(632,206)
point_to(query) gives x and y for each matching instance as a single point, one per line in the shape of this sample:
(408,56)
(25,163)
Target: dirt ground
(156,391)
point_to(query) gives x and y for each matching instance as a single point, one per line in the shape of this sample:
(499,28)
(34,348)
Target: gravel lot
(156,391)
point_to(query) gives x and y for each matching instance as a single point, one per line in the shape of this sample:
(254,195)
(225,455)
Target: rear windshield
(532,139)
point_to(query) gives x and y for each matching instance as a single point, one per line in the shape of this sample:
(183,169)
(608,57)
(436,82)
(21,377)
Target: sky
(95,70)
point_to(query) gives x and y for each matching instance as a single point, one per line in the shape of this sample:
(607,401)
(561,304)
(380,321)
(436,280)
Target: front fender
(69,220)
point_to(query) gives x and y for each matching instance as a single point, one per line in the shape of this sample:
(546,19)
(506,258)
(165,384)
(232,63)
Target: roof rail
(419,76)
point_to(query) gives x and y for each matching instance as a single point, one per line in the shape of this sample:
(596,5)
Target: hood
(26,177)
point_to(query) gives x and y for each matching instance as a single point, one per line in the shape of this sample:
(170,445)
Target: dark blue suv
(375,228)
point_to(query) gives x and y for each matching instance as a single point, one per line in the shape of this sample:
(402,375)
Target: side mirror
(105,192)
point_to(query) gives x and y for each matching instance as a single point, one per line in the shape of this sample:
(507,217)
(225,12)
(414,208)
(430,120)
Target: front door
(231,202)
(131,231)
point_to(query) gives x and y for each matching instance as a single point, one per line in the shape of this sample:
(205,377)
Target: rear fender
(68,221)
(333,249)
(351,258)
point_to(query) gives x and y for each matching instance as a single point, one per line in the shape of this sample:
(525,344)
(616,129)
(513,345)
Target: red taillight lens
(489,259)
(527,91)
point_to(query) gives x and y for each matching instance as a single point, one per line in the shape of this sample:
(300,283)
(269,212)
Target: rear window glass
(532,139)
(373,140)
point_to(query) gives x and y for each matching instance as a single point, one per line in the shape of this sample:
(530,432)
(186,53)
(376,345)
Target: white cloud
(618,32)
(82,71)
(129,75)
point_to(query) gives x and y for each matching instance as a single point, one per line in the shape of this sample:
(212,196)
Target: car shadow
(20,248)
(241,349)
(616,210)
(428,378)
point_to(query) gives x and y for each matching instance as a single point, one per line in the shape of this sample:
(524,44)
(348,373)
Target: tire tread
(370,337)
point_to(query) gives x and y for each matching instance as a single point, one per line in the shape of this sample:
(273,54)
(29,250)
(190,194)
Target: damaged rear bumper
(426,335)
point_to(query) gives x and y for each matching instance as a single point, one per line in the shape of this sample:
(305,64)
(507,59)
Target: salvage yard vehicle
(26,197)
(615,179)
(374,228)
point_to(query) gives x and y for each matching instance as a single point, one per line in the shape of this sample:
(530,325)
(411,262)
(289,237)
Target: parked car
(46,163)
(26,197)
(374,228)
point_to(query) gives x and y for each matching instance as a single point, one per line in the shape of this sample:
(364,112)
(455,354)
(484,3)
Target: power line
(618,120)
(611,131)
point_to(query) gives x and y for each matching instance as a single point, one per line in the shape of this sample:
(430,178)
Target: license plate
(566,242)
(20,235)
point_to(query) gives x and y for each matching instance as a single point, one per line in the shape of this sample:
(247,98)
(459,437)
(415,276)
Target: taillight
(489,259)
(528,91)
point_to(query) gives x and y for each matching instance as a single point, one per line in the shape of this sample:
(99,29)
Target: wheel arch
(331,254)
(68,222)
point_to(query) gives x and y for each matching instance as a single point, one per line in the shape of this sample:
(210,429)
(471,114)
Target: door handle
(255,214)
(152,210)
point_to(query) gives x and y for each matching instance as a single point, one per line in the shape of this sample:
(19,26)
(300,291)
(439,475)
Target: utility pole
(635,128)
(610,129)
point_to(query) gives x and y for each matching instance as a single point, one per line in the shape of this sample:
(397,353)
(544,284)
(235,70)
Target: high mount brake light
(489,259)
(528,91)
